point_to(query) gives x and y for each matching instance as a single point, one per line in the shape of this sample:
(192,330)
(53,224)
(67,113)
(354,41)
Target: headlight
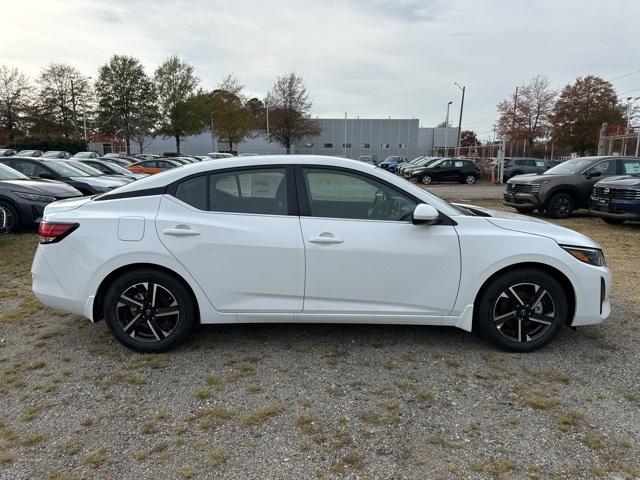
(592,256)
(36,198)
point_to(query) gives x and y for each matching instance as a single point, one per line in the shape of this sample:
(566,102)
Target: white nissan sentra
(310,239)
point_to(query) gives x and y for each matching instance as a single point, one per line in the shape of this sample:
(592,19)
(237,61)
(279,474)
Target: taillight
(54,232)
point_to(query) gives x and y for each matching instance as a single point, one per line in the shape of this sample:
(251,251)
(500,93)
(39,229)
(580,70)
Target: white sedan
(310,239)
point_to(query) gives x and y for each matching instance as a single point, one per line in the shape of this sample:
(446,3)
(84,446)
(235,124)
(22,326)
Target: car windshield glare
(89,170)
(8,173)
(570,167)
(66,170)
(117,168)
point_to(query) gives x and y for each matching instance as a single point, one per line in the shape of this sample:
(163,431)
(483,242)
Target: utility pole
(513,123)
(446,131)
(266,104)
(463,88)
(345,135)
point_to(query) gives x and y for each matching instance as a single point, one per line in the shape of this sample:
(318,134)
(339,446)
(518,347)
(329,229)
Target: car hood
(536,226)
(51,188)
(538,178)
(99,181)
(622,181)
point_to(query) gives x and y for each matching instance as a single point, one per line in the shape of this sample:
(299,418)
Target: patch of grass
(32,411)
(94,459)
(69,446)
(207,417)
(260,415)
(593,442)
(34,439)
(306,424)
(213,381)
(550,376)
(217,458)
(36,365)
(425,396)
(149,361)
(569,419)
(390,365)
(6,457)
(370,417)
(202,393)
(439,441)
(497,467)
(254,388)
(149,429)
(140,456)
(188,472)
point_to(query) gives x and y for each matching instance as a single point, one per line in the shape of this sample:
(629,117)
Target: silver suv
(518,165)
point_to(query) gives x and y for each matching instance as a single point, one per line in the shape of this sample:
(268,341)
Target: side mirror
(424,213)
(46,175)
(594,174)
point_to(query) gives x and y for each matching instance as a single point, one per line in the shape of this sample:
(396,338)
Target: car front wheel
(522,310)
(148,310)
(426,180)
(560,206)
(13,220)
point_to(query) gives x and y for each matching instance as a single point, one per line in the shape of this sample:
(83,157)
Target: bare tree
(527,117)
(63,89)
(290,111)
(15,93)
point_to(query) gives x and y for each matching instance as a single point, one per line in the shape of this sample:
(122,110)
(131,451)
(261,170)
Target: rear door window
(631,167)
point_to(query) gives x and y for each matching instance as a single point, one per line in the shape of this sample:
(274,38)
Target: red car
(152,167)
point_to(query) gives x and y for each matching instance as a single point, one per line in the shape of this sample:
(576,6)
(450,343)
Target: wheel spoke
(532,303)
(154,290)
(543,319)
(155,328)
(519,330)
(514,296)
(500,319)
(164,312)
(133,324)
(129,302)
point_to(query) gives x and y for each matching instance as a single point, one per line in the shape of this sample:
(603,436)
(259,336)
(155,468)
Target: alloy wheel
(148,312)
(426,180)
(524,312)
(470,180)
(562,207)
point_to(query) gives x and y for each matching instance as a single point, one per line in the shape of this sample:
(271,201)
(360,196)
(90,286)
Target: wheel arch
(98,304)
(569,190)
(564,281)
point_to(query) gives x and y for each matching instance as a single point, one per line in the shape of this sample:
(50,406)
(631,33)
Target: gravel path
(310,401)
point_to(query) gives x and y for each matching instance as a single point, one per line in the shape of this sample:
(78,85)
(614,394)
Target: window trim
(292,198)
(305,208)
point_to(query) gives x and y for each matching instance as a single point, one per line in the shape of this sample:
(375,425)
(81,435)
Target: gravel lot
(318,401)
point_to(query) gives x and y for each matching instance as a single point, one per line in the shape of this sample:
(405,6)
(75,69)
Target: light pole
(446,131)
(266,104)
(462,89)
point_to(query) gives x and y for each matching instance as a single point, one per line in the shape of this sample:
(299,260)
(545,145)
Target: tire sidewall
(490,295)
(185,305)
(551,209)
(14,214)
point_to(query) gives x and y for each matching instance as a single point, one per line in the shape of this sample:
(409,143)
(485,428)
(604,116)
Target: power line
(624,76)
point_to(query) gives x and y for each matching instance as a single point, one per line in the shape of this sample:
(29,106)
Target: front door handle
(325,238)
(180,232)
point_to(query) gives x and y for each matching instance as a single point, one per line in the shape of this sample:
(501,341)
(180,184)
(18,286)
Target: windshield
(570,167)
(65,170)
(8,173)
(89,170)
(117,168)
(84,155)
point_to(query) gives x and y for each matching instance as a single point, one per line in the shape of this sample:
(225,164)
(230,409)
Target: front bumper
(519,200)
(615,208)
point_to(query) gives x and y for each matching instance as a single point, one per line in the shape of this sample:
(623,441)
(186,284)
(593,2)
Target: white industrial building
(350,138)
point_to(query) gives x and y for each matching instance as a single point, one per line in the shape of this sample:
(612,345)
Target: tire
(147,333)
(470,179)
(525,210)
(426,180)
(13,218)
(613,221)
(509,316)
(560,206)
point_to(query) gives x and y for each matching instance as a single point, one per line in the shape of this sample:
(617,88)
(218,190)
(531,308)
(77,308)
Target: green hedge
(49,143)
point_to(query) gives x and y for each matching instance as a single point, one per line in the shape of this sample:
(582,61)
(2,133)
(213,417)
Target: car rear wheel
(13,219)
(560,206)
(470,179)
(522,310)
(148,310)
(426,180)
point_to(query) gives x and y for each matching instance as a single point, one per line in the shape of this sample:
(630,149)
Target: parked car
(175,250)
(390,163)
(7,152)
(29,153)
(151,167)
(367,159)
(110,168)
(23,199)
(518,165)
(94,172)
(85,155)
(145,156)
(564,188)
(3,221)
(184,160)
(115,154)
(407,169)
(58,170)
(56,154)
(122,161)
(617,199)
(447,170)
(219,155)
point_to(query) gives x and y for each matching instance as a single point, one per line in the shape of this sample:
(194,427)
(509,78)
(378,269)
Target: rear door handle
(322,238)
(180,232)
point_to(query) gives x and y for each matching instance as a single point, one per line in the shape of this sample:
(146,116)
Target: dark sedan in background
(58,170)
(24,199)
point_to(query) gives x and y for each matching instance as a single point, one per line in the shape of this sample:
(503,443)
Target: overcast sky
(368,58)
